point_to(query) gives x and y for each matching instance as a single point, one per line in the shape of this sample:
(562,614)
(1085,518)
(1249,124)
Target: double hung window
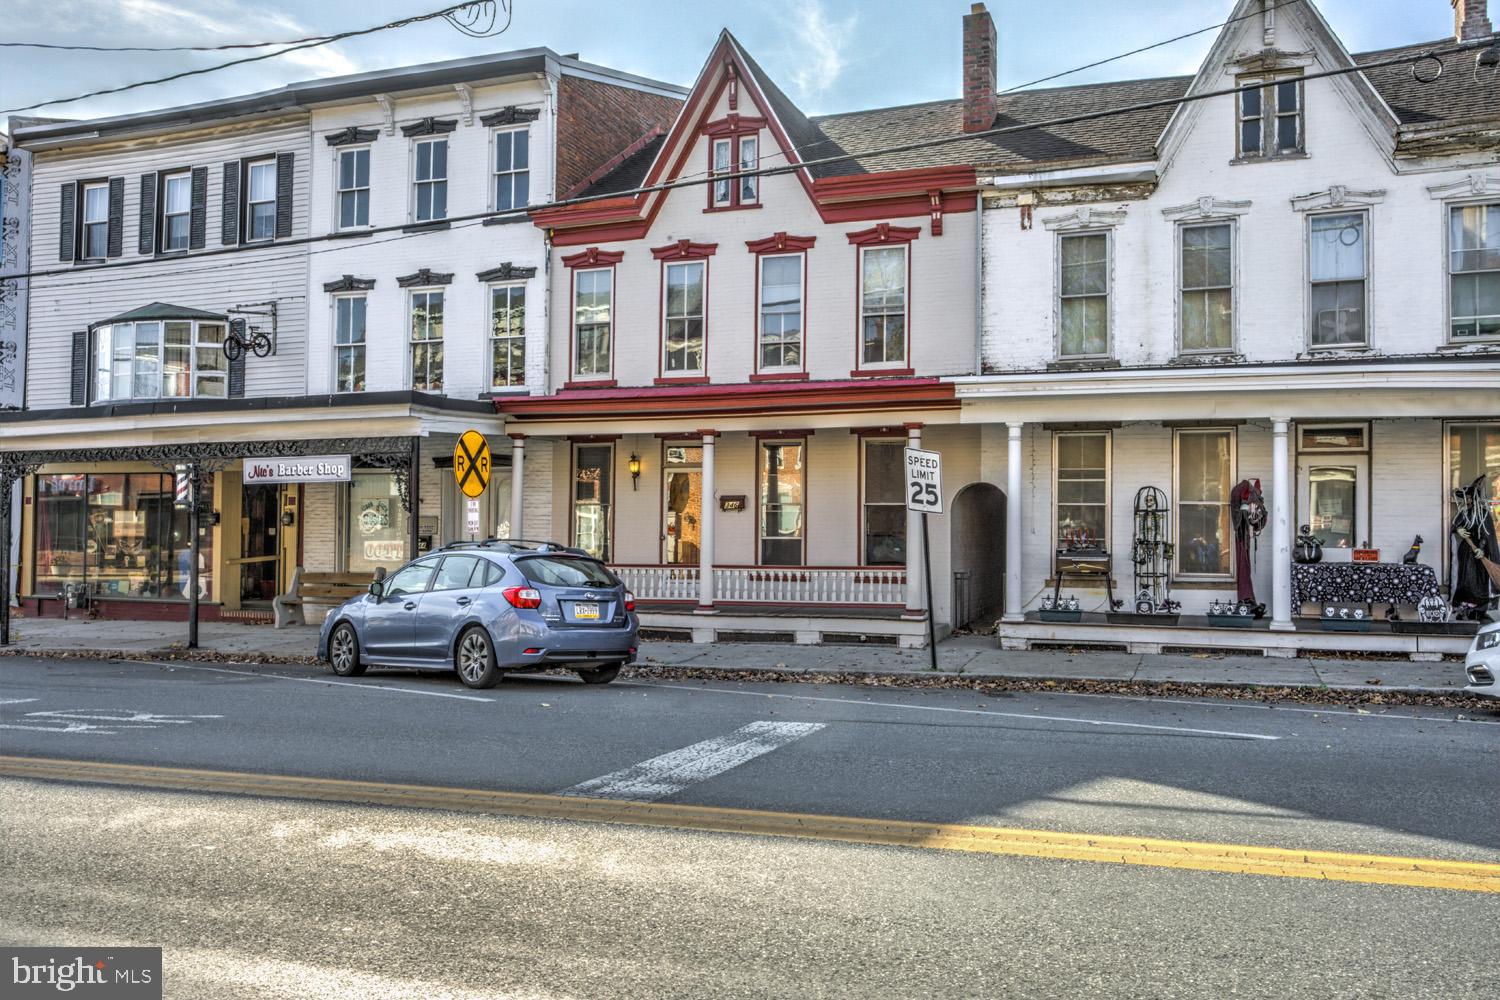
(1474,272)
(512,169)
(1205,473)
(95,232)
(683,318)
(1083,292)
(1207,312)
(349,343)
(884,507)
(176,211)
(507,336)
(260,204)
(354,187)
(427,340)
(883,307)
(593,321)
(1270,118)
(1336,273)
(781,313)
(1082,489)
(431,180)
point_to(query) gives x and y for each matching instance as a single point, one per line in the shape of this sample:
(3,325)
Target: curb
(1331,695)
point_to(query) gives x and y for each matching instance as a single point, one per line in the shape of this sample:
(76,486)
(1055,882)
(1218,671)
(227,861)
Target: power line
(467,23)
(480,217)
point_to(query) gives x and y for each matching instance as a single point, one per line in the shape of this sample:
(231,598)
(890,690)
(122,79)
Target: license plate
(589,611)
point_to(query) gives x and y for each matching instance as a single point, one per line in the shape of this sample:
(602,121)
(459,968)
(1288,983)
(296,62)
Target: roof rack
(515,544)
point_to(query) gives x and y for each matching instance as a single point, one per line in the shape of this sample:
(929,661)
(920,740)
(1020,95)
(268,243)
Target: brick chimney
(981,70)
(1470,20)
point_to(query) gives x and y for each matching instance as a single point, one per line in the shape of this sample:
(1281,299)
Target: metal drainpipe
(979,282)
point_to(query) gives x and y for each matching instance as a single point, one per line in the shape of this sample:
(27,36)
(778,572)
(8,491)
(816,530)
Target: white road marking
(321,680)
(122,716)
(976,711)
(15,701)
(672,772)
(1371,713)
(72,727)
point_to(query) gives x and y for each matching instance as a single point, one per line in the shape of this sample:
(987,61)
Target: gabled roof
(162,311)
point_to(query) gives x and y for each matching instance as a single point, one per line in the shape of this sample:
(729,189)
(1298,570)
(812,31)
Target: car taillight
(629,601)
(523,597)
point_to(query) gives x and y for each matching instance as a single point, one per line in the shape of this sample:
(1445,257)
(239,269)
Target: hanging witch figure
(1247,511)
(1474,550)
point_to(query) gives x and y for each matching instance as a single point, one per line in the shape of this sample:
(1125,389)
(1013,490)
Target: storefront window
(781,502)
(1205,472)
(1474,451)
(375,523)
(593,499)
(117,534)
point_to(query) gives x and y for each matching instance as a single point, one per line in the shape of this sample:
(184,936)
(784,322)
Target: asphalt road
(340,900)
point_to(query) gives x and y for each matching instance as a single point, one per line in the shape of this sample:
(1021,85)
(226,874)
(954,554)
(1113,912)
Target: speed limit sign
(924,481)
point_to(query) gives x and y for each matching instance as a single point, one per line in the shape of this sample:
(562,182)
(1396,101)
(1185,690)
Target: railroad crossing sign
(471,464)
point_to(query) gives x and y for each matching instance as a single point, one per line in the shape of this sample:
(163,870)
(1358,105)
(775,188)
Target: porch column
(707,512)
(517,466)
(914,606)
(1013,542)
(1281,528)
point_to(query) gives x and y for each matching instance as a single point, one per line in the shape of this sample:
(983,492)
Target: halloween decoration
(1151,553)
(1475,551)
(1247,507)
(1308,548)
(1413,552)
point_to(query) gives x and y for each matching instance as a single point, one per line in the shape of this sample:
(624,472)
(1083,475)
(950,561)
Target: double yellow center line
(1431,873)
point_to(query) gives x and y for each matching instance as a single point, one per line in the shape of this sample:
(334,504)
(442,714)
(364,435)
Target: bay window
(1207,293)
(159,360)
(883,505)
(427,340)
(1336,273)
(781,313)
(349,343)
(593,498)
(1205,475)
(780,514)
(1474,272)
(883,306)
(593,322)
(683,318)
(507,336)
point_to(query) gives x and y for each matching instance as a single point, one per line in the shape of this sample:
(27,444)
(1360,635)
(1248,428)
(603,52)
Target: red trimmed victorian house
(735,366)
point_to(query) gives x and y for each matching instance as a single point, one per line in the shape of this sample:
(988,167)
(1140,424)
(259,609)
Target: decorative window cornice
(349,283)
(1338,196)
(1086,217)
(429,126)
(1207,207)
(1271,60)
(1470,186)
(424,277)
(884,233)
(781,243)
(593,257)
(684,250)
(351,136)
(507,272)
(733,124)
(510,115)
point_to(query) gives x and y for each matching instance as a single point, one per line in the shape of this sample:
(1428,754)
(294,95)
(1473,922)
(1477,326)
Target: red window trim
(592,259)
(866,435)
(790,433)
(614,457)
(877,236)
(681,380)
(683,251)
(791,242)
(884,232)
(781,243)
(602,383)
(786,376)
(732,129)
(760,457)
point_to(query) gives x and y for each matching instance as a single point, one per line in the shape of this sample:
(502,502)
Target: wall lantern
(288,518)
(635,471)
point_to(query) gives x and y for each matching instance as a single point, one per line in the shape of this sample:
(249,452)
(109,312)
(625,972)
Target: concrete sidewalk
(968,656)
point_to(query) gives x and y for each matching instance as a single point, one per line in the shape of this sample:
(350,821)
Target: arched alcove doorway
(978,555)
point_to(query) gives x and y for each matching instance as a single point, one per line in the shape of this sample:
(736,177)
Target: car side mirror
(375,589)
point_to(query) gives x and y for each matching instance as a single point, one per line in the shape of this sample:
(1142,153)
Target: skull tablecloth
(1362,583)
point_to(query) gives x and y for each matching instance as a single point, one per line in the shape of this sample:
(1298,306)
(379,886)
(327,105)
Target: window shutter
(146,233)
(67,217)
(229,208)
(80,386)
(198,220)
(237,377)
(283,195)
(115,243)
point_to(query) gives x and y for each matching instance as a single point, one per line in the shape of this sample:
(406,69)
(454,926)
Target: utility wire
(479,217)
(464,24)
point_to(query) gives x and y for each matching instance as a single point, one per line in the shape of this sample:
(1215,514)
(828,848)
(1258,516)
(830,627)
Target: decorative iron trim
(507,272)
(351,136)
(349,283)
(429,126)
(510,115)
(424,277)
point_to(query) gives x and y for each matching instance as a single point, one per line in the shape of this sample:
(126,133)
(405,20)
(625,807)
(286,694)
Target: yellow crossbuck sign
(471,463)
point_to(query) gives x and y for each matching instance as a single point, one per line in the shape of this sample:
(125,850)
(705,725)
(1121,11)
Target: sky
(828,55)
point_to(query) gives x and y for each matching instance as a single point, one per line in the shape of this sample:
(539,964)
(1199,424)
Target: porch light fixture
(635,471)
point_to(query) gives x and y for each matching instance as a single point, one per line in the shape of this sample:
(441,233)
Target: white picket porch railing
(829,585)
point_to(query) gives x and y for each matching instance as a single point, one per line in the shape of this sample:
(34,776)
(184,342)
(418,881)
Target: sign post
(924,494)
(471,470)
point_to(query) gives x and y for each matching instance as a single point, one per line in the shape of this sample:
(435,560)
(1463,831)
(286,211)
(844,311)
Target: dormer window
(1270,118)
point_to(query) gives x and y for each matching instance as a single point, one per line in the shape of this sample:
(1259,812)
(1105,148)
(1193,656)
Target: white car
(1483,662)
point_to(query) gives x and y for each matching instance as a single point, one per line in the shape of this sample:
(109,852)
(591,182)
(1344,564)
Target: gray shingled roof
(1454,97)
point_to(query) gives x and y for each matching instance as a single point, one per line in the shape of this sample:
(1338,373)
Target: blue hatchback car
(485,609)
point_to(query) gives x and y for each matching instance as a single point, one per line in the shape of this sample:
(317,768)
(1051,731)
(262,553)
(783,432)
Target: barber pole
(180,496)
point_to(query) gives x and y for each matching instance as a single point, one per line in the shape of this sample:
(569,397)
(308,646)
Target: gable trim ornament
(423,278)
(1337,196)
(1207,207)
(1086,217)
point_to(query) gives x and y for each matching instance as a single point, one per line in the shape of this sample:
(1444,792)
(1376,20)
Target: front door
(1333,499)
(260,543)
(390,623)
(682,505)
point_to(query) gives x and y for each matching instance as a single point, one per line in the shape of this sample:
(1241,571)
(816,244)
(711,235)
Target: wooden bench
(324,590)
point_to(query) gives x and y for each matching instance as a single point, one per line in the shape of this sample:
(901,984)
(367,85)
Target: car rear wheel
(343,651)
(475,659)
(600,675)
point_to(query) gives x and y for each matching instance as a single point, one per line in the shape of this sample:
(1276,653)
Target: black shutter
(237,377)
(198,220)
(229,208)
(67,217)
(80,387)
(146,234)
(115,244)
(283,195)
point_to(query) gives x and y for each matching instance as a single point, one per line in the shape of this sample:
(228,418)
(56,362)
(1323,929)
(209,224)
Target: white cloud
(820,51)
